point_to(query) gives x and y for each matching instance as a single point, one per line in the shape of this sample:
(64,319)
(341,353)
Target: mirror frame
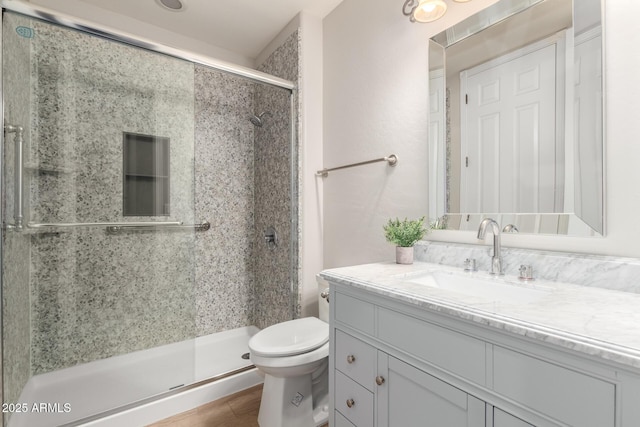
(566,223)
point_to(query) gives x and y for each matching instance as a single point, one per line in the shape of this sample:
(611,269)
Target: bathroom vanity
(428,344)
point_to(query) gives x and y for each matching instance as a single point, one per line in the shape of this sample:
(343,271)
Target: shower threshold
(141,387)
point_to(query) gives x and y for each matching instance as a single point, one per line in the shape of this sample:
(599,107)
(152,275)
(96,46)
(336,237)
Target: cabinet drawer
(355,359)
(354,313)
(348,392)
(452,351)
(571,397)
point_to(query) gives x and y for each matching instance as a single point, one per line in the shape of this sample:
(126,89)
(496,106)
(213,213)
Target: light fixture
(424,10)
(173,5)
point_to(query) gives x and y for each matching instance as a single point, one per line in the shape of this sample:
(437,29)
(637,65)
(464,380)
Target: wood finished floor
(237,410)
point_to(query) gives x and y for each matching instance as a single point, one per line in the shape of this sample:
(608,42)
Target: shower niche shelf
(146,175)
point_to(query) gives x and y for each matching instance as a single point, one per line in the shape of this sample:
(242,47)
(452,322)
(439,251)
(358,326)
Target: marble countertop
(598,322)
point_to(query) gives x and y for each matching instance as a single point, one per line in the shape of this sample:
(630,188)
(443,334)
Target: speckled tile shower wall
(95,295)
(15,280)
(224,197)
(275,301)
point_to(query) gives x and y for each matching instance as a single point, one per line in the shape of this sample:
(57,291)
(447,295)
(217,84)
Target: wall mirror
(516,119)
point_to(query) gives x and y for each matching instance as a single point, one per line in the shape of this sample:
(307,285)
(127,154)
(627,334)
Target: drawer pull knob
(351,358)
(350,403)
(379,380)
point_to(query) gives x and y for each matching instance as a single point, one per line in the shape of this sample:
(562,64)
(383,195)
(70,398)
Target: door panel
(509,134)
(502,419)
(415,398)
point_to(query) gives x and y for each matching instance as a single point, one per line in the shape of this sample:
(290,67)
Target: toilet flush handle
(325,294)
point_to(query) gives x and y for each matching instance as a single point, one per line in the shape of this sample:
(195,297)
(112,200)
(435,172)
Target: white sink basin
(495,289)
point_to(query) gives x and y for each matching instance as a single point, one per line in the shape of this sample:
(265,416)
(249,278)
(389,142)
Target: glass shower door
(16,332)
(101,314)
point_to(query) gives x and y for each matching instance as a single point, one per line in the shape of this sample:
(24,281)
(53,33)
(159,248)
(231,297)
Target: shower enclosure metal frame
(67,21)
(55,17)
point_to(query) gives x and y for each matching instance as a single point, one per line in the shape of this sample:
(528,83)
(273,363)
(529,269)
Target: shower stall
(149,212)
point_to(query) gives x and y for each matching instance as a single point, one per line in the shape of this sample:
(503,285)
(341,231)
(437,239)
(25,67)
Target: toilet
(294,357)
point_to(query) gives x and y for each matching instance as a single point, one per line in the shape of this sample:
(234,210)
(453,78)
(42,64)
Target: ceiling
(242,26)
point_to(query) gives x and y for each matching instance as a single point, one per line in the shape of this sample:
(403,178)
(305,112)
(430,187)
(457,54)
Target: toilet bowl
(293,356)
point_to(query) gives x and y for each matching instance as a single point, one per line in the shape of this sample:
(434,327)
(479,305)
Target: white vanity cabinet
(393,364)
(365,376)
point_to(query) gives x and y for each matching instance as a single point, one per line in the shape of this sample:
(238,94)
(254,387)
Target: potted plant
(404,234)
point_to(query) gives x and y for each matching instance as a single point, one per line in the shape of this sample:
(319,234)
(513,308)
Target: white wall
(311,190)
(376,103)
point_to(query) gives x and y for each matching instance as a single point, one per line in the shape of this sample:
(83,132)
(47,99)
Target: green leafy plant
(405,233)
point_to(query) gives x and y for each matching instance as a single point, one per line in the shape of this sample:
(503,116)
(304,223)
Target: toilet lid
(290,338)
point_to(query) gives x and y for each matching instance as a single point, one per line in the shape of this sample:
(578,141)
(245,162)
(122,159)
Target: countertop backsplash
(615,273)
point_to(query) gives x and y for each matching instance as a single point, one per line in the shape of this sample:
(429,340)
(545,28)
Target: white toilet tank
(323,303)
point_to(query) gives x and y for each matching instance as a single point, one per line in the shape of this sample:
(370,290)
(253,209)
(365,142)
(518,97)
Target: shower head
(257,120)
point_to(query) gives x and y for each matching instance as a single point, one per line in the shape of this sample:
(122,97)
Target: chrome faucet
(510,228)
(496,259)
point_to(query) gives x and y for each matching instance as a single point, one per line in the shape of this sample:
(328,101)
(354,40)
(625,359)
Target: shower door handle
(18,216)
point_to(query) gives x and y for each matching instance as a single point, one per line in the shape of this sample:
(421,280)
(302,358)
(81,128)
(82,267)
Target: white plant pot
(404,255)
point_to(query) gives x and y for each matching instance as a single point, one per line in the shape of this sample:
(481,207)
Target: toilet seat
(298,361)
(290,338)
